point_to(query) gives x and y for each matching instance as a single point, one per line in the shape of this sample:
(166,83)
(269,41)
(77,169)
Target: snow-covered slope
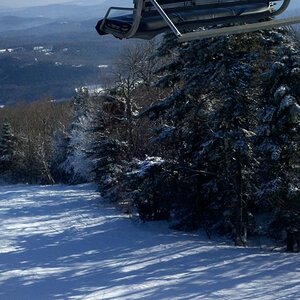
(63,243)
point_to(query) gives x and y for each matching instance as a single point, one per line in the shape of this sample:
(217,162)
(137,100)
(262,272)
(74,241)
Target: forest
(204,134)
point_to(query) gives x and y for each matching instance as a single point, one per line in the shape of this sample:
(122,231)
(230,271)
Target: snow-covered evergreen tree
(77,165)
(229,156)
(107,149)
(152,188)
(8,148)
(279,137)
(59,143)
(208,122)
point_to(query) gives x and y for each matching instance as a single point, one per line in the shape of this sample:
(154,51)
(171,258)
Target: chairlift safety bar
(196,35)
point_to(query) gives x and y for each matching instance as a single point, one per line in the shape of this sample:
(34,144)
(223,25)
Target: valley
(49,51)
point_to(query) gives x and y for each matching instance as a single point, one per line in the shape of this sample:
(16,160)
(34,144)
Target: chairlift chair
(149,18)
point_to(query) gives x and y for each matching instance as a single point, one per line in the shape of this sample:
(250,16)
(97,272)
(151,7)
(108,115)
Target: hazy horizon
(20,3)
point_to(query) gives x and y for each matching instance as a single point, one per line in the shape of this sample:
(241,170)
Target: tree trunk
(290,241)
(240,224)
(129,122)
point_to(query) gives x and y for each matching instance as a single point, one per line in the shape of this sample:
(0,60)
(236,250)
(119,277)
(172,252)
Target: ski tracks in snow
(62,242)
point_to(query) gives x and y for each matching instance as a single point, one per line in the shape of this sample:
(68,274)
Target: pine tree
(59,145)
(107,149)
(76,165)
(229,155)
(279,138)
(207,127)
(152,188)
(8,149)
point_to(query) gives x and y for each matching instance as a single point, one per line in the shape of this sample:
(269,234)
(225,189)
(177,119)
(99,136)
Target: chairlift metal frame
(140,6)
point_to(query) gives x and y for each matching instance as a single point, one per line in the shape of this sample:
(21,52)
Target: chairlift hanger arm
(166,18)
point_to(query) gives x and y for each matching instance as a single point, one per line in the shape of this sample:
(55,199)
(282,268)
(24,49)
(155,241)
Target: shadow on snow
(62,243)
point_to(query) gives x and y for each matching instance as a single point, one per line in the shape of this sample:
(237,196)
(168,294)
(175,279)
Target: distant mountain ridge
(8,23)
(57,11)
(75,56)
(65,10)
(10,4)
(23,19)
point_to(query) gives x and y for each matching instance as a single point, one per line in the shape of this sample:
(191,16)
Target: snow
(42,49)
(287,102)
(143,166)
(94,89)
(103,66)
(63,242)
(38,48)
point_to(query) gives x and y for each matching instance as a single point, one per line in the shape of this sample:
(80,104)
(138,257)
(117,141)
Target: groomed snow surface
(59,242)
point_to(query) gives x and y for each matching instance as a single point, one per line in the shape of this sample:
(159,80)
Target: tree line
(204,134)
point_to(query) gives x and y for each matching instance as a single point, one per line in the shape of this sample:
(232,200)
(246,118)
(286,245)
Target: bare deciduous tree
(136,67)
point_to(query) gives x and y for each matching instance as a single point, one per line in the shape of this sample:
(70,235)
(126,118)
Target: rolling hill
(51,50)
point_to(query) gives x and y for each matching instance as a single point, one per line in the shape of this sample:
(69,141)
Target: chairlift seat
(152,17)
(152,23)
(191,18)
